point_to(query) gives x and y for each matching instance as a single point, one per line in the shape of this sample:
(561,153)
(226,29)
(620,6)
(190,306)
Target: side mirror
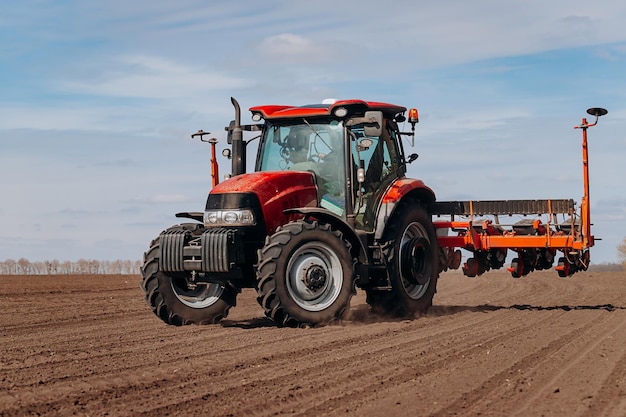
(375,126)
(412,158)
(229,135)
(372,123)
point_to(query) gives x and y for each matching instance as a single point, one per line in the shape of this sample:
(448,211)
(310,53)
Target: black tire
(173,301)
(470,269)
(497,258)
(412,253)
(517,266)
(564,264)
(305,275)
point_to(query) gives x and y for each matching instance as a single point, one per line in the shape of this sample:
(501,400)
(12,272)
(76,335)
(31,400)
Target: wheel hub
(199,295)
(414,261)
(315,277)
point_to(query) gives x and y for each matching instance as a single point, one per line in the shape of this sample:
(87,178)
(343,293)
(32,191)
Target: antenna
(585,204)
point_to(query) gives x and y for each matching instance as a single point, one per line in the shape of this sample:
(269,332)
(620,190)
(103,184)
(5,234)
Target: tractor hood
(275,190)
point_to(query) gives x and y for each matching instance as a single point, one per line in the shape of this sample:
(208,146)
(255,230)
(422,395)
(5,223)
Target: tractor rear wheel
(175,300)
(411,249)
(305,274)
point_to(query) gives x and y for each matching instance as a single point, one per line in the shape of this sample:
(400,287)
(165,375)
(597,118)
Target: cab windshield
(309,146)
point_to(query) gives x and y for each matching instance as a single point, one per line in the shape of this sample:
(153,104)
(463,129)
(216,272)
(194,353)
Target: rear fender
(402,189)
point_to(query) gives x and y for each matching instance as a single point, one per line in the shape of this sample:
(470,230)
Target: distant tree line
(92,266)
(621,252)
(606,267)
(82,266)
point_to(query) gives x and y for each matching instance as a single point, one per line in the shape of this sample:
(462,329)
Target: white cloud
(288,47)
(153,77)
(166,198)
(79,117)
(170,198)
(466,125)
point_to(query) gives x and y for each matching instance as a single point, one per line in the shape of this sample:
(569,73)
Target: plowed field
(491,346)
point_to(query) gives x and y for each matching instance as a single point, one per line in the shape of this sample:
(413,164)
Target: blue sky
(98,101)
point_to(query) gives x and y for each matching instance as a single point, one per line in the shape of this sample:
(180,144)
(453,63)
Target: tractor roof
(326,109)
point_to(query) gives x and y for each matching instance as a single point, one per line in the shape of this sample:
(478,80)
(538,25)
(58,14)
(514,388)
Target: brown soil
(491,346)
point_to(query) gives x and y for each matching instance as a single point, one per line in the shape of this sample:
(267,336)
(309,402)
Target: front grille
(219,250)
(171,246)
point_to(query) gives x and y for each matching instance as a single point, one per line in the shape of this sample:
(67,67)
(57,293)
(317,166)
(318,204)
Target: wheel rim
(202,296)
(414,258)
(314,277)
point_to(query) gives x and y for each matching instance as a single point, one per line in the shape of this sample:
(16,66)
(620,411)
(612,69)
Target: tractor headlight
(235,217)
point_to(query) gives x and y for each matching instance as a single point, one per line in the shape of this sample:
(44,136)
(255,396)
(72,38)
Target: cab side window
(380,162)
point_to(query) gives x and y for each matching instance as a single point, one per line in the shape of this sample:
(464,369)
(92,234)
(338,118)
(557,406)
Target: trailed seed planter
(535,242)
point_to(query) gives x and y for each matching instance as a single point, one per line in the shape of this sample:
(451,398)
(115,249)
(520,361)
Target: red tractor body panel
(397,191)
(277,191)
(404,186)
(288,112)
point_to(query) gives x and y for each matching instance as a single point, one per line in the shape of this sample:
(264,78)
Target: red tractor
(327,209)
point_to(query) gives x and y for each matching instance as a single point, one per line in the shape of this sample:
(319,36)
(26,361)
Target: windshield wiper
(316,134)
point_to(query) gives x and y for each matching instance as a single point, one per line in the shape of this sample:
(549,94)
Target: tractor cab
(351,148)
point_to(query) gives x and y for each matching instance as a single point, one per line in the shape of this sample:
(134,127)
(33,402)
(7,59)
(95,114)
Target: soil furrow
(490,346)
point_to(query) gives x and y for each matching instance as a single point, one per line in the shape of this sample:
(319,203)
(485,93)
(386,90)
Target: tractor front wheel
(305,274)
(176,299)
